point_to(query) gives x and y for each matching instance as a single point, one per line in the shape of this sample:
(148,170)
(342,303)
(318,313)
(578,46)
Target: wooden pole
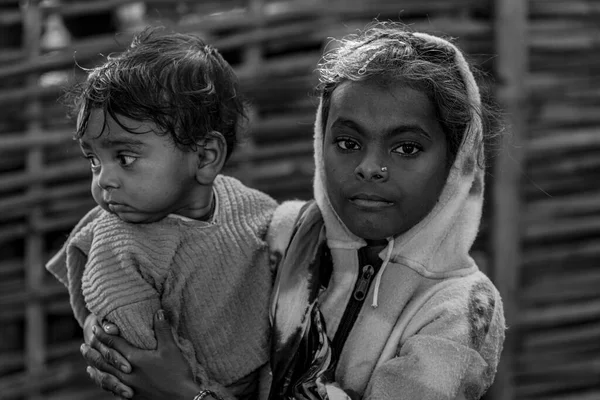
(511,68)
(35,341)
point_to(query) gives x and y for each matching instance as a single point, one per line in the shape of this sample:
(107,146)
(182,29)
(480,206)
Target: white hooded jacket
(432,326)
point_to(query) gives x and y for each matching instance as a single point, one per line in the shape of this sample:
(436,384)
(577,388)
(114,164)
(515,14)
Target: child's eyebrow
(129,142)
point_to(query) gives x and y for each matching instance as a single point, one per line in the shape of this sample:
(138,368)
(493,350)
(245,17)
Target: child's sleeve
(70,275)
(453,350)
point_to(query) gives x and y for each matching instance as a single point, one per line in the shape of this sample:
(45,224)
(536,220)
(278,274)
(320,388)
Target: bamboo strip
(71,169)
(542,389)
(60,306)
(551,282)
(567,370)
(90,48)
(559,294)
(16,385)
(10,142)
(14,205)
(563,253)
(561,185)
(512,64)
(562,229)
(281,127)
(571,8)
(21,295)
(580,139)
(529,361)
(575,312)
(15,359)
(35,338)
(10,267)
(564,206)
(559,338)
(19,95)
(573,164)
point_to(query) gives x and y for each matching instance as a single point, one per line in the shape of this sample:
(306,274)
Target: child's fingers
(110,349)
(110,328)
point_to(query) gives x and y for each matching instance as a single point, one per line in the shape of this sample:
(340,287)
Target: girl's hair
(387,52)
(176,81)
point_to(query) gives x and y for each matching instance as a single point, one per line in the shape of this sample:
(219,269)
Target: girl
(376,295)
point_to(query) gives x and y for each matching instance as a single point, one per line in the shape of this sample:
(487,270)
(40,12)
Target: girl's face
(370,127)
(139,177)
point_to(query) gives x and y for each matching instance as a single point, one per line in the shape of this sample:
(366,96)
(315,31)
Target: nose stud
(383,169)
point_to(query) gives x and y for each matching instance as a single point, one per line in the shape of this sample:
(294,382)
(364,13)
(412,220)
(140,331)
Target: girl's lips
(370,203)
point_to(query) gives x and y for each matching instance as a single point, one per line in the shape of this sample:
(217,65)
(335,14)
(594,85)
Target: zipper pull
(363,282)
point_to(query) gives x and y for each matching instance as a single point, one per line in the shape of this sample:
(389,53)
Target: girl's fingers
(110,383)
(95,360)
(108,346)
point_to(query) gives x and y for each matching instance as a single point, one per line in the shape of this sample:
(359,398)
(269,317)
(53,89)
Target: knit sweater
(212,278)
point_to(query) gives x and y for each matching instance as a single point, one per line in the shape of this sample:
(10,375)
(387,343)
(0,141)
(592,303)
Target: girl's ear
(211,157)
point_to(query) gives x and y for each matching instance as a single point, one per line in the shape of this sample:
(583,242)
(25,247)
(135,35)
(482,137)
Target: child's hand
(90,321)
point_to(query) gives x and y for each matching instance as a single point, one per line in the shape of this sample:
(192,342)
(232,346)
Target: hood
(439,244)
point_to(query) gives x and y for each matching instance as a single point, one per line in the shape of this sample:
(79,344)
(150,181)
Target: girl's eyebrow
(388,134)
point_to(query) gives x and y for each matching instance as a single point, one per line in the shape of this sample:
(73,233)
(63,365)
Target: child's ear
(211,157)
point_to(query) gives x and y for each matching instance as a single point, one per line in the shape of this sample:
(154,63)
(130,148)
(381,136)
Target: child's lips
(116,207)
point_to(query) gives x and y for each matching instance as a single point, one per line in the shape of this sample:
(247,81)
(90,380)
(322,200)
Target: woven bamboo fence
(274,47)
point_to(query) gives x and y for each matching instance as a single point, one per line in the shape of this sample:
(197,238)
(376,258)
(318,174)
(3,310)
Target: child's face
(139,177)
(370,127)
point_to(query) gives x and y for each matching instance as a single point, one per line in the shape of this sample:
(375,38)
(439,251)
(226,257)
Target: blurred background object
(540,238)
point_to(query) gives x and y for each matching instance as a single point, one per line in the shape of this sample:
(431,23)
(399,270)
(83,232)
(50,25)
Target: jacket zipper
(359,294)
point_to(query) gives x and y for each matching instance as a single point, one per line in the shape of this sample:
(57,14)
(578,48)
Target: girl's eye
(409,149)
(347,144)
(126,161)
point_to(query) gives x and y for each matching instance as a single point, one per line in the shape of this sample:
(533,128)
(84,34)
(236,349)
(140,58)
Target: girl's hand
(100,358)
(155,374)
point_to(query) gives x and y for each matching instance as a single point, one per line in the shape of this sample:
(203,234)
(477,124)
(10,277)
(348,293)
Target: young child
(376,296)
(157,124)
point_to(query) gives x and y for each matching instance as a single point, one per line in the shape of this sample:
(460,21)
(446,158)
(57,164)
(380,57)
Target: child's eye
(126,161)
(409,149)
(94,162)
(347,144)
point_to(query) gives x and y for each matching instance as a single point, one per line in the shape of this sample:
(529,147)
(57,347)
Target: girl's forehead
(376,108)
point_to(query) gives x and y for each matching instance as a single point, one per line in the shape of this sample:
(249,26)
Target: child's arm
(453,351)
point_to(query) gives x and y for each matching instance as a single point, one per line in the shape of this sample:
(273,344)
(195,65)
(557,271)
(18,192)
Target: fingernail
(161,315)
(125,394)
(82,347)
(94,329)
(89,371)
(124,368)
(106,328)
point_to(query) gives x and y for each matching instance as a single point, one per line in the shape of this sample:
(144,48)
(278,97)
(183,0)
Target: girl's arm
(454,351)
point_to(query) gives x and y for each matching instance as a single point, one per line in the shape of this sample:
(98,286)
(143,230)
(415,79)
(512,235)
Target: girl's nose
(371,170)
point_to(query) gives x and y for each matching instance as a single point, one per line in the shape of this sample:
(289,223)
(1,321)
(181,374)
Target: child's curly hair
(387,52)
(174,80)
